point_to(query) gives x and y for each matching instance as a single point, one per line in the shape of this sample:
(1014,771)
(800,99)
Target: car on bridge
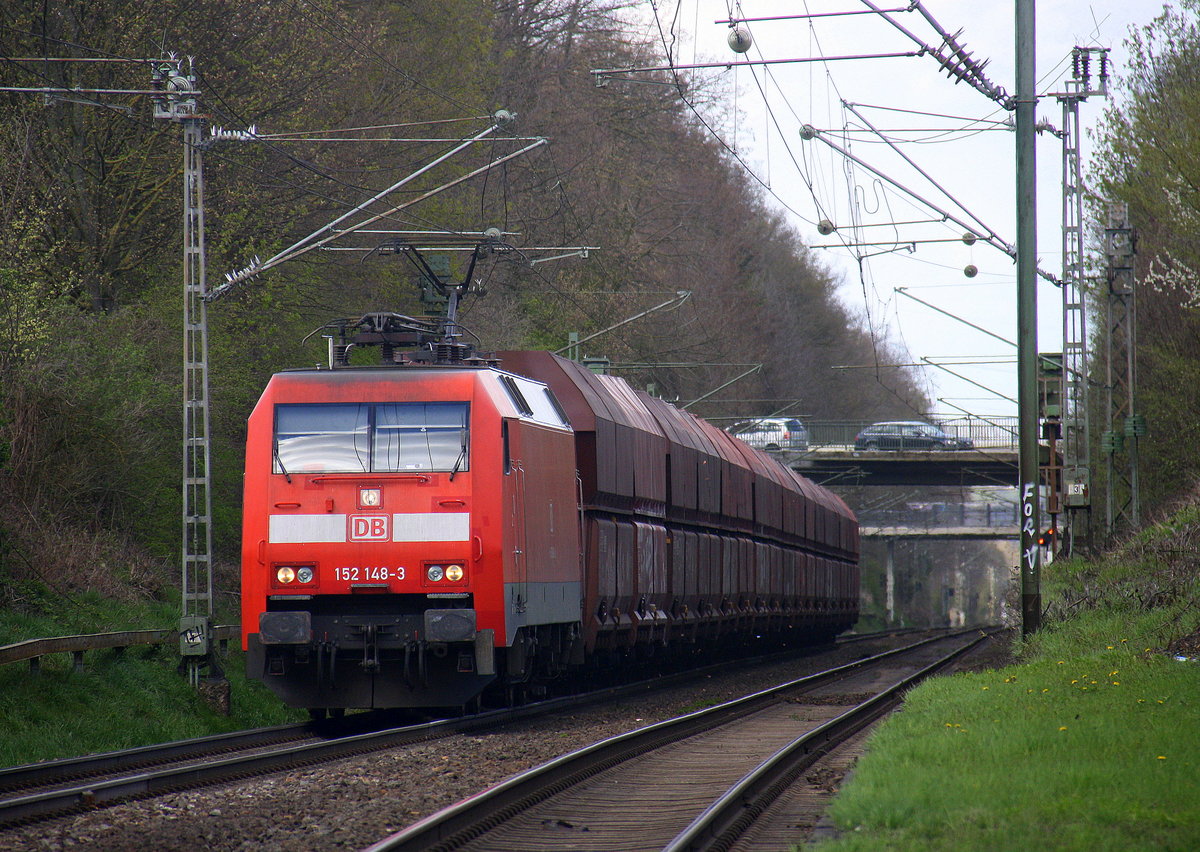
(908,435)
(773,434)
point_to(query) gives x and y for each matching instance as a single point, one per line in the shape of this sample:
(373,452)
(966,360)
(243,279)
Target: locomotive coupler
(370,640)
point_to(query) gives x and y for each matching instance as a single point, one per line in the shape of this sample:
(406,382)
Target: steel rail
(157,782)
(719,825)
(146,783)
(126,760)
(471,817)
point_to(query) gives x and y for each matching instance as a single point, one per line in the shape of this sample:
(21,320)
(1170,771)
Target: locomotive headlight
(434,573)
(304,574)
(370,498)
(454,573)
(285,574)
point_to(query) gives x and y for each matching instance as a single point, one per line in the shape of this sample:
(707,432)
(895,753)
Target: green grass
(44,615)
(1091,745)
(120,699)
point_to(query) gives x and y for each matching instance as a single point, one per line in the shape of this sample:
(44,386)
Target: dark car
(908,435)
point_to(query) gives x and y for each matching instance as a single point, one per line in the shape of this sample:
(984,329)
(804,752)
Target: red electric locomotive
(416,533)
(400,524)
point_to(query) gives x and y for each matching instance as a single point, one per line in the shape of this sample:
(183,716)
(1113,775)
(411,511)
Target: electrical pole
(1124,426)
(1076,375)
(178,103)
(1027,352)
(173,92)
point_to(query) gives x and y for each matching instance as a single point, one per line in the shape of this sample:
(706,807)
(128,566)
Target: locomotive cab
(387,551)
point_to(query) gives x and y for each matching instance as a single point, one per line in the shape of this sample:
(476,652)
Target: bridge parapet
(942,520)
(991,433)
(939,514)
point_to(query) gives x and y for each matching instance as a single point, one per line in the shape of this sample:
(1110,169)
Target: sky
(950,131)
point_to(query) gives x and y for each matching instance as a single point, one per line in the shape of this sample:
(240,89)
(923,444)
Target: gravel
(352,803)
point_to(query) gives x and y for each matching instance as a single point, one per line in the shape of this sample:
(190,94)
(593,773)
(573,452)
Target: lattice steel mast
(1076,427)
(179,103)
(1124,427)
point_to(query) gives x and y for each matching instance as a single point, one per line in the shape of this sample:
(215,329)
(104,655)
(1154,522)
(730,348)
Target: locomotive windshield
(392,437)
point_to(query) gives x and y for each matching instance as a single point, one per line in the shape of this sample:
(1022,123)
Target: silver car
(772,433)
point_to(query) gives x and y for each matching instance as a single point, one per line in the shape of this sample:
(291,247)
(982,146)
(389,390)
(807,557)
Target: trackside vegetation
(121,699)
(1088,743)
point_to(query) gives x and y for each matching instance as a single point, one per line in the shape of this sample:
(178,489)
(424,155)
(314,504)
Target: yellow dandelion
(986,687)
(1141,701)
(1113,673)
(1045,690)
(1063,728)
(1116,683)
(1110,647)
(1074,681)
(1162,757)
(1062,662)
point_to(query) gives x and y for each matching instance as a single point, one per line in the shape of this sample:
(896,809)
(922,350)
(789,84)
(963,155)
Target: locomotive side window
(420,436)
(371,438)
(322,437)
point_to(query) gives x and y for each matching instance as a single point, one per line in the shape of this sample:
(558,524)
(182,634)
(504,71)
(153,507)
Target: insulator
(451,353)
(1112,442)
(739,39)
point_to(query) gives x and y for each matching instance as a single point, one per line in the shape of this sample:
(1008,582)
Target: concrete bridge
(944,521)
(942,533)
(845,466)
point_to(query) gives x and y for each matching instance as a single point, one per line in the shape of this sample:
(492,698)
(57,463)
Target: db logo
(369,528)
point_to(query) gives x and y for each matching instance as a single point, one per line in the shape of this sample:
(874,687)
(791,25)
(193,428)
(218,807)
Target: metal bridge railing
(943,515)
(992,433)
(34,649)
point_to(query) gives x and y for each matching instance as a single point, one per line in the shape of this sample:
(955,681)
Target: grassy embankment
(121,699)
(1091,742)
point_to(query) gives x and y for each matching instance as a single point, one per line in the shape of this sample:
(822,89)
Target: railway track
(699,781)
(39,791)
